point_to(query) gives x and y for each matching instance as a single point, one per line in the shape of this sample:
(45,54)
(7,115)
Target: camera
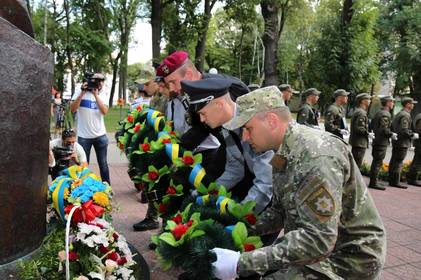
(62,156)
(90,82)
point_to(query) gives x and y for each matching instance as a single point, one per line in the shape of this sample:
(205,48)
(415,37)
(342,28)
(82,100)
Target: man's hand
(225,267)
(73,157)
(344,132)
(416,136)
(95,91)
(394,136)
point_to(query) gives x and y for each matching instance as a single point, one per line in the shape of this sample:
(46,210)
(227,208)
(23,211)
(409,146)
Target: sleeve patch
(321,203)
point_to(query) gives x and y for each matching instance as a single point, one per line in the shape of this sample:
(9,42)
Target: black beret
(201,92)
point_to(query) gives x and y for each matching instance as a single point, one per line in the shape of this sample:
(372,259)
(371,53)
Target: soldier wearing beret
(248,175)
(380,124)
(307,115)
(335,121)
(359,128)
(415,167)
(332,229)
(402,126)
(286,92)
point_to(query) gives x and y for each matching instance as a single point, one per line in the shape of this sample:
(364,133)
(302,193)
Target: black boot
(413,181)
(146,224)
(374,185)
(394,181)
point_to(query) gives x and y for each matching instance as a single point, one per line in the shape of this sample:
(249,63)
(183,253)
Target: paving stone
(406,271)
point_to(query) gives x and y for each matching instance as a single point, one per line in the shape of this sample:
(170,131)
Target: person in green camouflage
(401,142)
(381,127)
(415,168)
(359,128)
(332,229)
(306,114)
(335,121)
(159,100)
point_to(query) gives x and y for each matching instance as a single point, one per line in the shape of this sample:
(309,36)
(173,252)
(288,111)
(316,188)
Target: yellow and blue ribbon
(196,175)
(156,123)
(221,204)
(58,196)
(202,200)
(172,151)
(151,115)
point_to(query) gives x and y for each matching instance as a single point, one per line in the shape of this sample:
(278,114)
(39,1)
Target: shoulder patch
(321,203)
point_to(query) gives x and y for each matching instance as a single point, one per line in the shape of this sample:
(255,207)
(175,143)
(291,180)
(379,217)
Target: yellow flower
(101,199)
(76,183)
(66,193)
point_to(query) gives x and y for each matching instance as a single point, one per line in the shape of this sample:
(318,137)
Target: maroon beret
(171,63)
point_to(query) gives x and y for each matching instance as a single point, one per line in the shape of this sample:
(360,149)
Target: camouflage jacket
(159,102)
(330,222)
(402,125)
(334,119)
(359,129)
(381,127)
(307,116)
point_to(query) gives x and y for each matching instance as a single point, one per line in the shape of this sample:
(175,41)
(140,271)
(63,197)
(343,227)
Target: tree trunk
(270,12)
(347,13)
(114,63)
(68,50)
(202,34)
(156,21)
(240,53)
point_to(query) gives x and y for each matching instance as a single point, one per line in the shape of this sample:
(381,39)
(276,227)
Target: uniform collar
(283,149)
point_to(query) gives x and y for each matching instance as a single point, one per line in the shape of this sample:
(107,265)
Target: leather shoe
(146,224)
(377,187)
(414,183)
(398,185)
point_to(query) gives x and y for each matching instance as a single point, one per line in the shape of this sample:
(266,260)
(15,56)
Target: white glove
(394,136)
(371,135)
(225,267)
(416,136)
(344,132)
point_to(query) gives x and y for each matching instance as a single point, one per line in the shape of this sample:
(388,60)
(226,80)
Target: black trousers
(378,153)
(358,154)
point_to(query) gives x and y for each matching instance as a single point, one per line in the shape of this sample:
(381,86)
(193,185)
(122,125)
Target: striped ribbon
(172,151)
(156,122)
(202,200)
(196,175)
(221,204)
(152,114)
(58,196)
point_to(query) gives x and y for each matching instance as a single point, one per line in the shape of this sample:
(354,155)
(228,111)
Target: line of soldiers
(315,185)
(402,130)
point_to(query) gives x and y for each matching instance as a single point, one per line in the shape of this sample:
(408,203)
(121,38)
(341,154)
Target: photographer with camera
(65,152)
(90,105)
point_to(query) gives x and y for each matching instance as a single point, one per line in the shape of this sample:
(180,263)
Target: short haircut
(282,112)
(67,133)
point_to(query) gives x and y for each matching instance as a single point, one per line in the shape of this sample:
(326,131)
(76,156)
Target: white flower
(102,222)
(81,277)
(96,275)
(62,256)
(125,273)
(110,265)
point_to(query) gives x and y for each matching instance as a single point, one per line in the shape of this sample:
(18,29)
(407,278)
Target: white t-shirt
(80,152)
(90,120)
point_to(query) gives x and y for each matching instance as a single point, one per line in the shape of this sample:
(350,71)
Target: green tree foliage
(400,29)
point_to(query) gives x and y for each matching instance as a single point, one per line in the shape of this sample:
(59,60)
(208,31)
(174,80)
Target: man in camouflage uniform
(306,114)
(381,127)
(401,125)
(415,167)
(359,128)
(332,227)
(335,121)
(160,99)
(286,92)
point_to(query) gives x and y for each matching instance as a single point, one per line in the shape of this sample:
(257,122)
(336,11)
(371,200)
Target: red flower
(121,261)
(116,236)
(172,133)
(162,208)
(171,190)
(189,223)
(153,175)
(188,160)
(130,118)
(103,249)
(177,219)
(249,247)
(179,231)
(113,256)
(121,146)
(250,218)
(139,108)
(146,147)
(73,256)
(166,141)
(136,128)
(214,192)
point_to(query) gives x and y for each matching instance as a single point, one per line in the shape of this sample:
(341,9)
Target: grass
(113,117)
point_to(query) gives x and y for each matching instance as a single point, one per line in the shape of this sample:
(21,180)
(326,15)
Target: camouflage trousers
(298,273)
